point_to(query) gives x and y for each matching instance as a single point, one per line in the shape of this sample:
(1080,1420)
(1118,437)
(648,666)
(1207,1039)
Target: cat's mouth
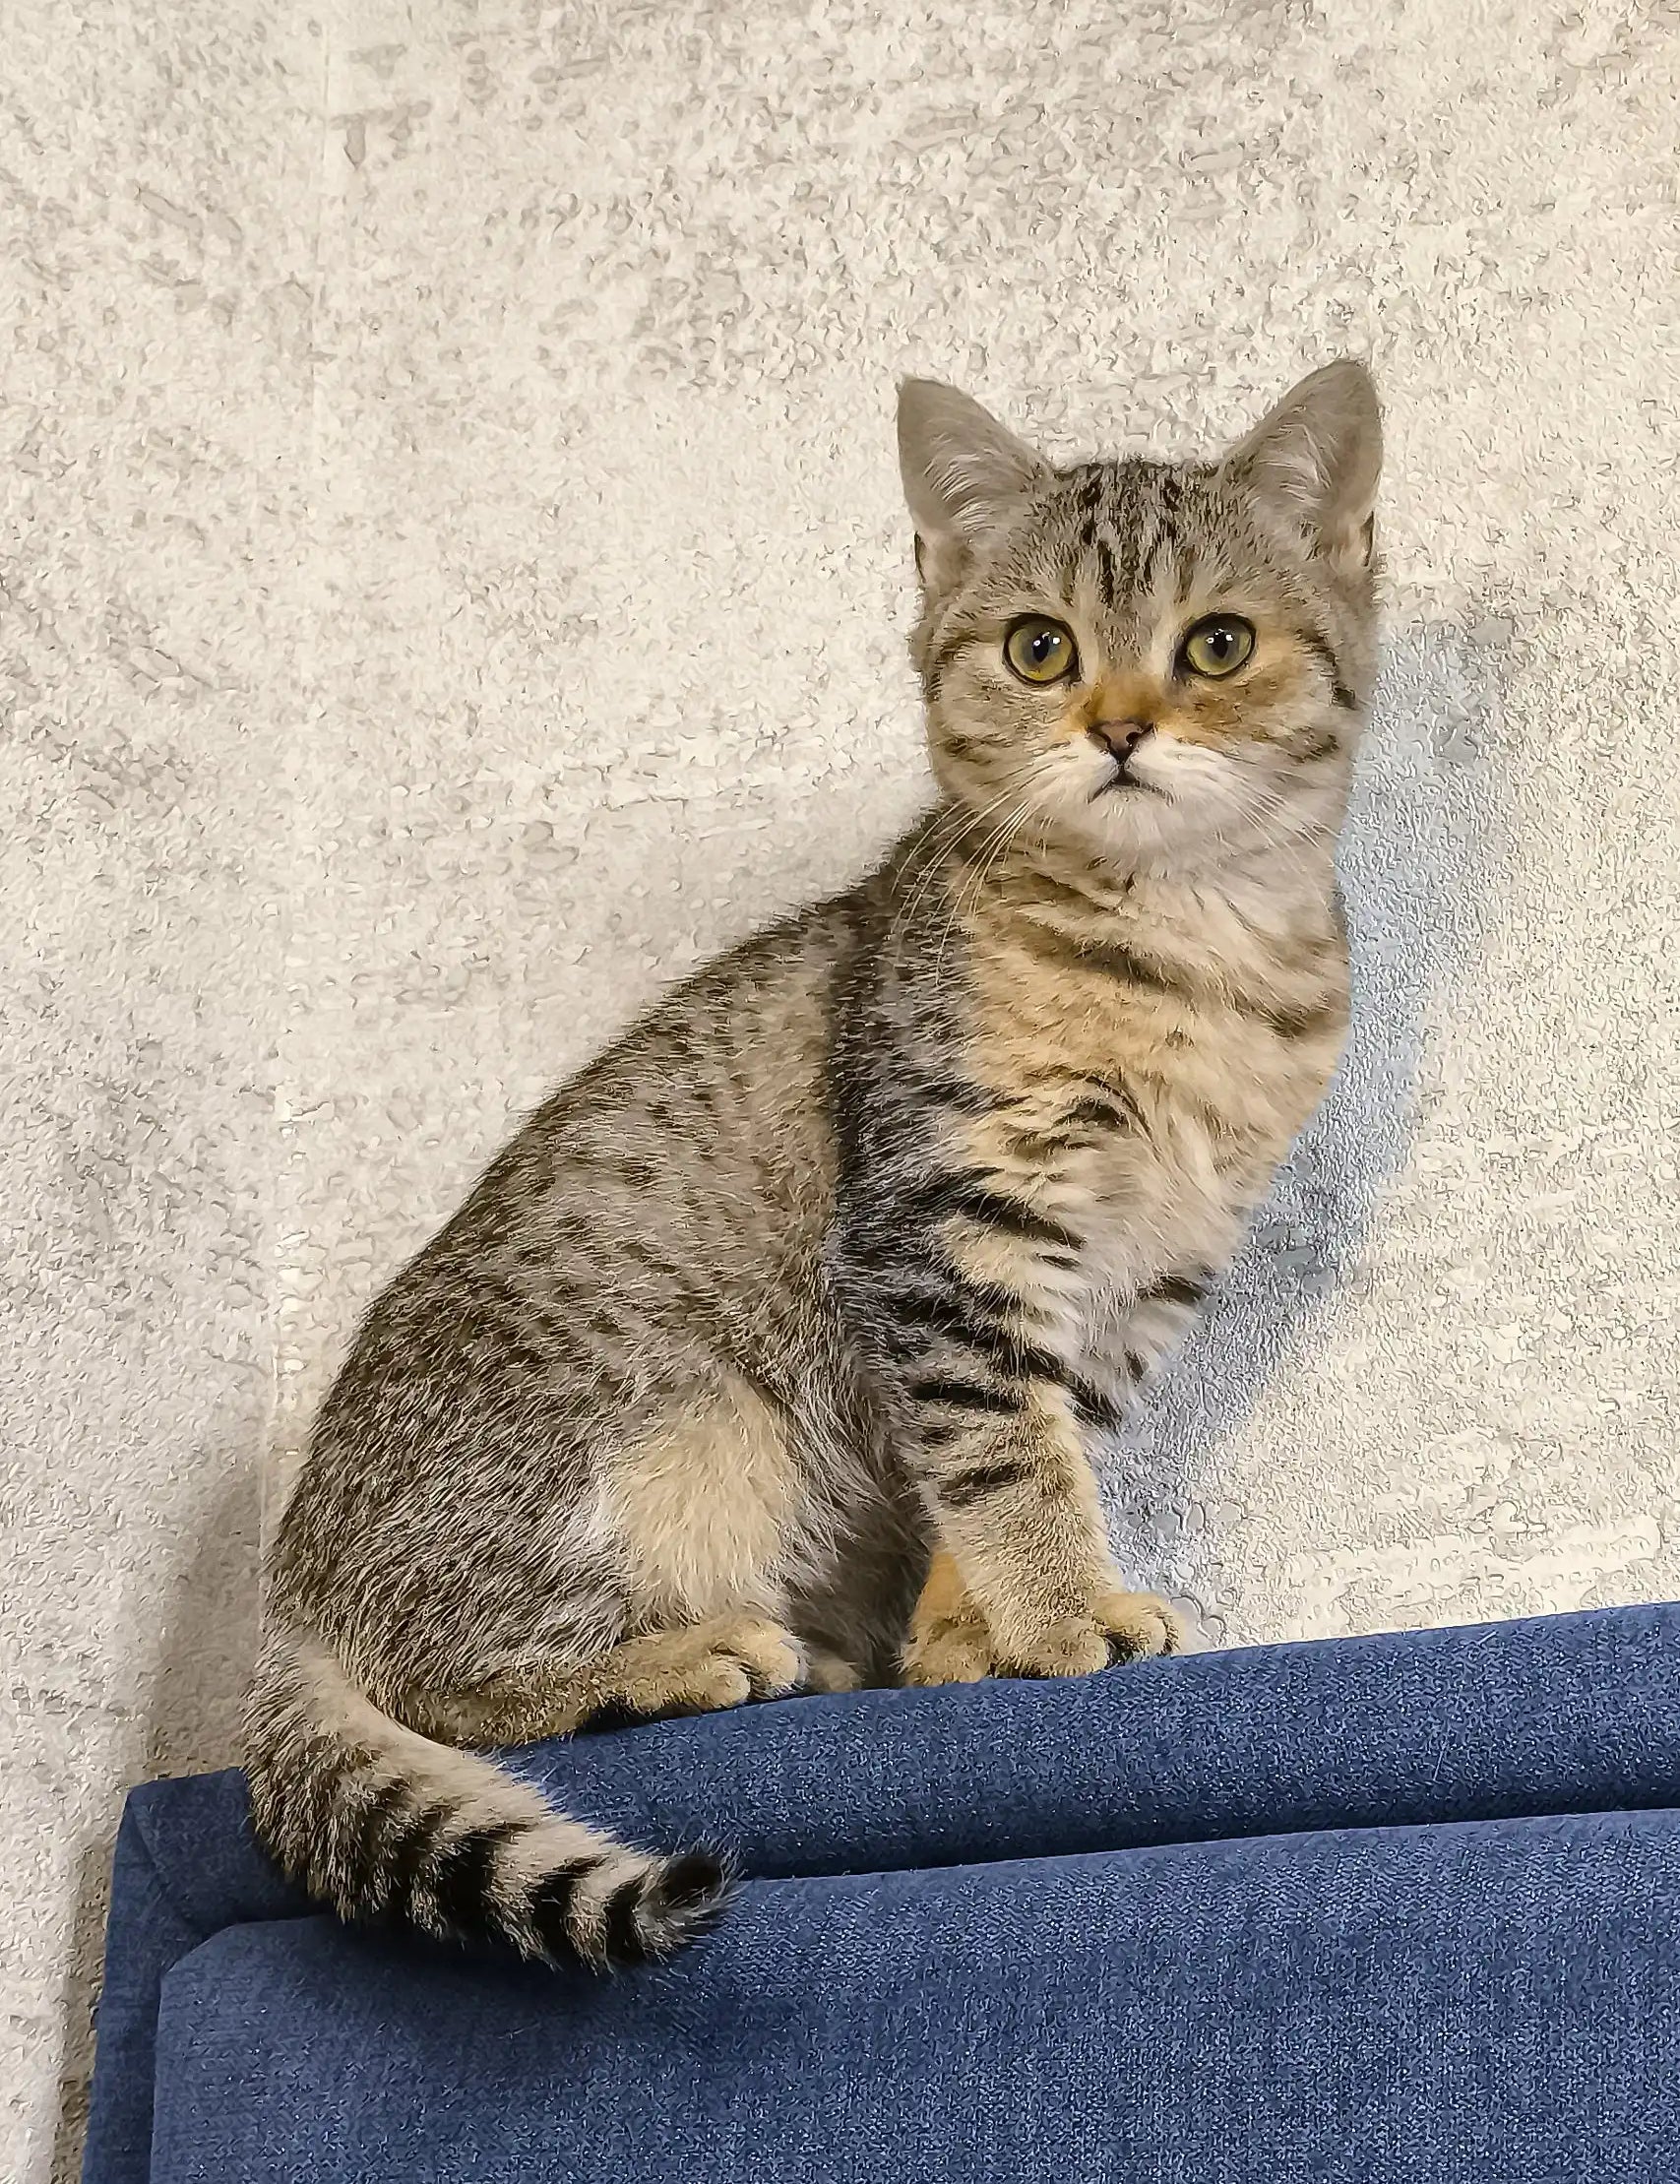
(1121,779)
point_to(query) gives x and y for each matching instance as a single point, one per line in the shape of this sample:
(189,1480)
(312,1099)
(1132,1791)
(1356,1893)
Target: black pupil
(1044,645)
(1219,641)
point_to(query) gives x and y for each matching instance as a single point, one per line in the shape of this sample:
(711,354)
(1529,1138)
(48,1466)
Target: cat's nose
(1121,737)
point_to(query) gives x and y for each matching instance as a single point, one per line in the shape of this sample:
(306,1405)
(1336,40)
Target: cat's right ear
(963,472)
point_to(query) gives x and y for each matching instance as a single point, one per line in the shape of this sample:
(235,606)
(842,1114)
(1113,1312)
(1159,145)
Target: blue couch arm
(1401,1907)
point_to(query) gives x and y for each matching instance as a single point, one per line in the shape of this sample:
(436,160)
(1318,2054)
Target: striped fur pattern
(766,1356)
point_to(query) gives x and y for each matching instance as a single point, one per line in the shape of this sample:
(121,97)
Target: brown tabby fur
(835,1261)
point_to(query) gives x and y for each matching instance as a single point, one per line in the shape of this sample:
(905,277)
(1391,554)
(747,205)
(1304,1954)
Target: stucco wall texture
(454,577)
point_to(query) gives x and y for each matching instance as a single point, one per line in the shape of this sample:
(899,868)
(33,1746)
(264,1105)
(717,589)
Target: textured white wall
(454,577)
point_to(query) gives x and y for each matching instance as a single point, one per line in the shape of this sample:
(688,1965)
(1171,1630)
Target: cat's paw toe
(769,1658)
(1138,1626)
(1075,1647)
(827,1672)
(1121,1627)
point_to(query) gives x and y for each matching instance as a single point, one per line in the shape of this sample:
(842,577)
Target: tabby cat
(766,1356)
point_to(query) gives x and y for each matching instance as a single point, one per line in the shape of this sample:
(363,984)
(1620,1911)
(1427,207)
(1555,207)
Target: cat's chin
(1155,834)
(1127,822)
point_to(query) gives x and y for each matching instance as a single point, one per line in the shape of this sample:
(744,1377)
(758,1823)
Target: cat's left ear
(1316,458)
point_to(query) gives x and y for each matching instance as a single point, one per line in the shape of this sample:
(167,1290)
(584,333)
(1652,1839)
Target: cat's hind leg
(694,1517)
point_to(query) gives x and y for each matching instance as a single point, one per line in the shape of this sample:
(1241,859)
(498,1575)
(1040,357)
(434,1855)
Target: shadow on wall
(1417,866)
(208,1639)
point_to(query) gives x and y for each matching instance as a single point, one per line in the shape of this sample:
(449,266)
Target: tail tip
(680,1899)
(665,1909)
(651,1913)
(693,1884)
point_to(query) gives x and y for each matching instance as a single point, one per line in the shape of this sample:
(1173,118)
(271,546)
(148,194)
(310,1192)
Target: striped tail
(381,1822)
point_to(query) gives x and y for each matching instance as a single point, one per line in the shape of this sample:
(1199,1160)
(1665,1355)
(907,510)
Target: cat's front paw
(1121,1627)
(951,1641)
(949,1653)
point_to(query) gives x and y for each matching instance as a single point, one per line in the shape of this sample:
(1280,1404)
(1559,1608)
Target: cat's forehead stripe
(1128,530)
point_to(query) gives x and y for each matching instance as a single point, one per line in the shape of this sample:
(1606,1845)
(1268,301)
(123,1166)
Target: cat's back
(713,1109)
(701,1135)
(678,1184)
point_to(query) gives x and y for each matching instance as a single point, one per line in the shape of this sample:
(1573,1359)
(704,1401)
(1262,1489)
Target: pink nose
(1121,737)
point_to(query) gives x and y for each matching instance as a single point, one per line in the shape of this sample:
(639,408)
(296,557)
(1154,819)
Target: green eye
(1040,650)
(1218,646)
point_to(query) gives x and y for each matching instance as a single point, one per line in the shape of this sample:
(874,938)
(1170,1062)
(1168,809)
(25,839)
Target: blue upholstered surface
(1399,1909)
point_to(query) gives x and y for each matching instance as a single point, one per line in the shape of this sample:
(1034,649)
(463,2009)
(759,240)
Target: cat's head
(1158,663)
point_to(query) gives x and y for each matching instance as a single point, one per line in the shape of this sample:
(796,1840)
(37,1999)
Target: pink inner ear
(1351,544)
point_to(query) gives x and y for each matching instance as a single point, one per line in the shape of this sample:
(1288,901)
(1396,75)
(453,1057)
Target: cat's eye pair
(1041,650)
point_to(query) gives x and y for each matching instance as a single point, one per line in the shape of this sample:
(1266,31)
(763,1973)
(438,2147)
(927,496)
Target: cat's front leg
(1128,1337)
(1015,1505)
(1025,1583)
(973,1323)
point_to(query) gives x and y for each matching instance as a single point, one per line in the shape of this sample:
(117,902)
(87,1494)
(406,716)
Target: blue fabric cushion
(1398,1907)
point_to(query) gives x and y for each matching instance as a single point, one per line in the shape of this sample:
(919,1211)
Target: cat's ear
(1315,458)
(963,471)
